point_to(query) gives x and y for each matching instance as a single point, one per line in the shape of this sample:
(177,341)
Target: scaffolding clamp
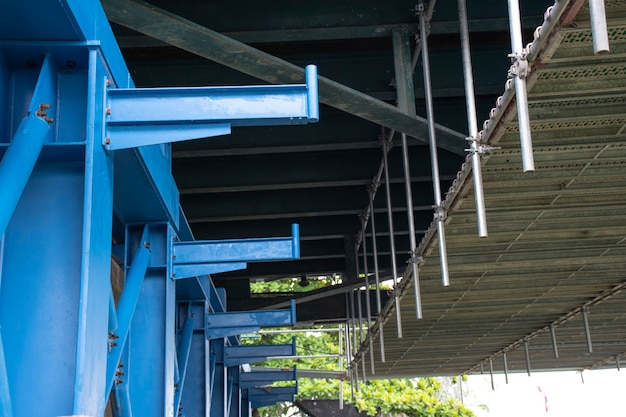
(440,213)
(520,67)
(479,148)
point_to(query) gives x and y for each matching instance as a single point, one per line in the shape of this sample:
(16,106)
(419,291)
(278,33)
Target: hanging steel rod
(599,31)
(439,211)
(392,242)
(406,102)
(476,149)
(519,72)
(381,335)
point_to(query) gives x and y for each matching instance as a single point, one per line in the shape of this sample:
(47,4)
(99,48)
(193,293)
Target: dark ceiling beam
(184,34)
(322,147)
(335,33)
(301,185)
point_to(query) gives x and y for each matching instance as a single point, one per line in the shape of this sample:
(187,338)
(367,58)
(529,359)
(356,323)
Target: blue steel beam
(149,116)
(260,397)
(241,354)
(260,378)
(197,258)
(127,304)
(221,325)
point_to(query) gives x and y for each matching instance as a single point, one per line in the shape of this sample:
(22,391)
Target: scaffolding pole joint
(520,67)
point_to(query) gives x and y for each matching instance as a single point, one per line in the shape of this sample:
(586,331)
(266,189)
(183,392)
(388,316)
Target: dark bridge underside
(540,263)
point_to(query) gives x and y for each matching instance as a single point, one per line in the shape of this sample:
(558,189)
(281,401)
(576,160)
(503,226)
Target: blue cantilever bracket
(240,354)
(221,325)
(197,258)
(255,379)
(150,116)
(260,397)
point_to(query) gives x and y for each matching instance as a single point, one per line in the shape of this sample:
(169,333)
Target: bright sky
(601,394)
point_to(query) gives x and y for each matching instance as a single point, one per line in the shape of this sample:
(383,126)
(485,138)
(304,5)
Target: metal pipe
(482,369)
(599,31)
(521,95)
(18,164)
(472,121)
(555,348)
(359,300)
(493,388)
(353,346)
(617,363)
(340,365)
(527,356)
(585,314)
(439,213)
(381,336)
(391,241)
(368,301)
(406,102)
(506,368)
(363,376)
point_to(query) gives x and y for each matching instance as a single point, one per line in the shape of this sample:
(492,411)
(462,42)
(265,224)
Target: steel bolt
(108,111)
(107,141)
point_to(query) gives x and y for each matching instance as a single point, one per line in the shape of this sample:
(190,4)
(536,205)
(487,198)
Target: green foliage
(411,397)
(291,285)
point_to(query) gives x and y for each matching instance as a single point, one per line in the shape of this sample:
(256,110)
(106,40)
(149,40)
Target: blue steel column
(58,354)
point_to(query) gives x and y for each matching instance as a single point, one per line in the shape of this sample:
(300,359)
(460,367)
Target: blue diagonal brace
(20,158)
(260,378)
(220,325)
(196,258)
(127,304)
(183,358)
(149,116)
(240,354)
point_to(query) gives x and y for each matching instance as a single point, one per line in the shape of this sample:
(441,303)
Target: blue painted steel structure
(79,186)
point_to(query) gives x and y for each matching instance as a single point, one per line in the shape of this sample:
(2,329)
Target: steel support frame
(73,344)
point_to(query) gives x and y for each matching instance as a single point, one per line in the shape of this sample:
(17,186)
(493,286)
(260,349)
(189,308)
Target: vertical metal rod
(355,369)
(368,300)
(617,363)
(340,342)
(586,326)
(363,376)
(555,348)
(406,103)
(527,356)
(381,335)
(493,387)
(472,121)
(439,212)
(357,297)
(582,377)
(359,301)
(506,368)
(391,241)
(482,369)
(354,347)
(521,95)
(599,30)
